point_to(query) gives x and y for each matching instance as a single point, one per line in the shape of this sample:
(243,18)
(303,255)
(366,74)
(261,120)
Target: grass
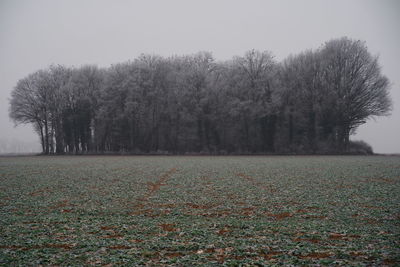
(248,211)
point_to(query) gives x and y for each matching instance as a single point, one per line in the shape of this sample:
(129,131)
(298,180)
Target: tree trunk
(343,137)
(42,142)
(271,133)
(246,134)
(199,134)
(46,130)
(59,138)
(311,129)
(291,130)
(177,130)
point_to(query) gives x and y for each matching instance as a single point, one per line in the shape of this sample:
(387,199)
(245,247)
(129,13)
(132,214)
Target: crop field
(200,210)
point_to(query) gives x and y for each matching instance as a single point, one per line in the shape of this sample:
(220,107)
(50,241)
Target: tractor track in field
(143,205)
(154,187)
(255,183)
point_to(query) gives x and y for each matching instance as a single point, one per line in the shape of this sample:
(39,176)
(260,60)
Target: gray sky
(37,33)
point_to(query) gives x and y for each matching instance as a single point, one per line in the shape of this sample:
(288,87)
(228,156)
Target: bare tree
(257,93)
(25,105)
(353,77)
(303,93)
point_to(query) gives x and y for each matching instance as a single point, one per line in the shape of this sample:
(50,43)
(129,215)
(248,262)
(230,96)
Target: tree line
(308,103)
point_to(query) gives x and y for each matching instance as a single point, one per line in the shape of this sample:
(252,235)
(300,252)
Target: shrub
(360,147)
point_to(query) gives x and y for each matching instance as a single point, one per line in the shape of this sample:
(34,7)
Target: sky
(37,33)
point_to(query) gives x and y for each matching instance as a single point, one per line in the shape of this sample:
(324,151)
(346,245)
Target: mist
(35,34)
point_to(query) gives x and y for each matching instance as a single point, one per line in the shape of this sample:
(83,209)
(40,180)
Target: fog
(35,34)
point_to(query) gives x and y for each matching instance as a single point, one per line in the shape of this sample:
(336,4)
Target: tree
(31,102)
(257,98)
(25,106)
(81,96)
(309,103)
(303,93)
(359,90)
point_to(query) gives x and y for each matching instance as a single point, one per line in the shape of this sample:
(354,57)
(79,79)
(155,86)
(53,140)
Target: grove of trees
(309,103)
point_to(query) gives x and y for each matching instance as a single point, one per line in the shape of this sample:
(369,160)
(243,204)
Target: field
(249,211)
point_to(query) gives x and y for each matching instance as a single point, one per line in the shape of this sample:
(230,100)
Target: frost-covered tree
(309,103)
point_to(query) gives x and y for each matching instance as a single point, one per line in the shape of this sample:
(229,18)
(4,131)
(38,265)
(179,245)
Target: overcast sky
(37,33)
